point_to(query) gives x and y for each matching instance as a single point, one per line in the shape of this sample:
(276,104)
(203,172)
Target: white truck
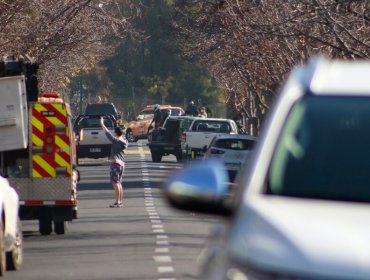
(197,138)
(38,151)
(92,141)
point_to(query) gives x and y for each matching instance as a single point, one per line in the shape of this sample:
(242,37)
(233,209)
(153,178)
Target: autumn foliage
(250,46)
(63,36)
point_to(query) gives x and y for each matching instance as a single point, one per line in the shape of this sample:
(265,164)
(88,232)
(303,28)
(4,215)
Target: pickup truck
(197,138)
(166,140)
(138,128)
(91,139)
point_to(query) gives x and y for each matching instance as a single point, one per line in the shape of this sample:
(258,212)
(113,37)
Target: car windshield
(235,144)
(324,150)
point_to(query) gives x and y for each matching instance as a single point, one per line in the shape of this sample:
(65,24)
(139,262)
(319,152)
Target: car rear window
(89,122)
(324,150)
(235,144)
(212,126)
(100,109)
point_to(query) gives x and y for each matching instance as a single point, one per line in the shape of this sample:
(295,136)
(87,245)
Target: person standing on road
(117,154)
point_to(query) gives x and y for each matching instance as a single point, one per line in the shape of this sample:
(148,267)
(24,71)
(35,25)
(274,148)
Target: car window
(145,114)
(99,109)
(94,122)
(176,112)
(234,144)
(211,126)
(324,150)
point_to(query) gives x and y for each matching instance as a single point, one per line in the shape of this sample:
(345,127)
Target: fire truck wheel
(45,226)
(14,258)
(2,252)
(60,227)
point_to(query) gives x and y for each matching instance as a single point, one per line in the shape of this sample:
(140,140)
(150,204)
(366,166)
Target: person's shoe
(114,205)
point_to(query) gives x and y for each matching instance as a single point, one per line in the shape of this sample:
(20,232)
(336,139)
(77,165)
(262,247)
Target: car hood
(303,237)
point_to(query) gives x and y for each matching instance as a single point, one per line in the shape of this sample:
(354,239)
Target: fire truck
(37,151)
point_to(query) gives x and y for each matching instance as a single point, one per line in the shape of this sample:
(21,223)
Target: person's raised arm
(103,125)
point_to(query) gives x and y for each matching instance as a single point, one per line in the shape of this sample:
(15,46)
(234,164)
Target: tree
(250,46)
(63,36)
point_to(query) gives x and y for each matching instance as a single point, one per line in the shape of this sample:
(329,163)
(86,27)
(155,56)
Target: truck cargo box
(13,113)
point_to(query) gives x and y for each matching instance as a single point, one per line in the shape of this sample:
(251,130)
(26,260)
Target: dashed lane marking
(137,152)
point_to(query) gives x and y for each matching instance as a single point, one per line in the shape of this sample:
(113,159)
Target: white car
(304,201)
(11,236)
(233,150)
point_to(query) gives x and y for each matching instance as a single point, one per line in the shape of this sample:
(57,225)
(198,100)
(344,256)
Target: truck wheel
(14,258)
(156,157)
(2,252)
(130,137)
(60,227)
(45,225)
(179,157)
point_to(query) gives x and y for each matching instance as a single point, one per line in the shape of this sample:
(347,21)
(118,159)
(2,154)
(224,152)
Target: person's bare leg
(117,191)
(120,192)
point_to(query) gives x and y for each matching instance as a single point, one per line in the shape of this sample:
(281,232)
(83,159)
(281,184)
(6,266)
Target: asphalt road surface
(146,239)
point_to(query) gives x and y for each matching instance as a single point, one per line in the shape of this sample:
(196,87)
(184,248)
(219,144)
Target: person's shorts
(116,173)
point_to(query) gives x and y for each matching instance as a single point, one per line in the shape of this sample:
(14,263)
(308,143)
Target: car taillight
(183,137)
(216,152)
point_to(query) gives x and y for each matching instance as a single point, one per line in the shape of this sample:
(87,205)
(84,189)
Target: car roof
(334,77)
(235,136)
(151,107)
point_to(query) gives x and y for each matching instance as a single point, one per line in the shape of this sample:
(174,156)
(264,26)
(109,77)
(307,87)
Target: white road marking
(157,226)
(156,221)
(158,230)
(162,250)
(165,269)
(162,259)
(162,236)
(162,242)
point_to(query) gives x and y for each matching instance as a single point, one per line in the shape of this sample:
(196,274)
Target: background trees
(64,36)
(174,51)
(250,46)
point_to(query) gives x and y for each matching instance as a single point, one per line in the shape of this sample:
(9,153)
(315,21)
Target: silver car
(233,150)
(304,200)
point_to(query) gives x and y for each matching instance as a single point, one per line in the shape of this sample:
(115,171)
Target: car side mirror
(201,187)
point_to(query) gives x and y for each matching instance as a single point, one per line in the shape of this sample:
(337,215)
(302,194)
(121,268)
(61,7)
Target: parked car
(304,200)
(138,128)
(233,150)
(11,235)
(91,139)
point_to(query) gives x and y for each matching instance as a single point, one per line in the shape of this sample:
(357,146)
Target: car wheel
(60,227)
(156,157)
(14,258)
(130,137)
(2,252)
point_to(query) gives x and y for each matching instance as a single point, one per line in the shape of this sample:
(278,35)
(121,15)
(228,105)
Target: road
(146,239)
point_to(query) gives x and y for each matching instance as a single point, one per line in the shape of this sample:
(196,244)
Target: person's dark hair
(118,131)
